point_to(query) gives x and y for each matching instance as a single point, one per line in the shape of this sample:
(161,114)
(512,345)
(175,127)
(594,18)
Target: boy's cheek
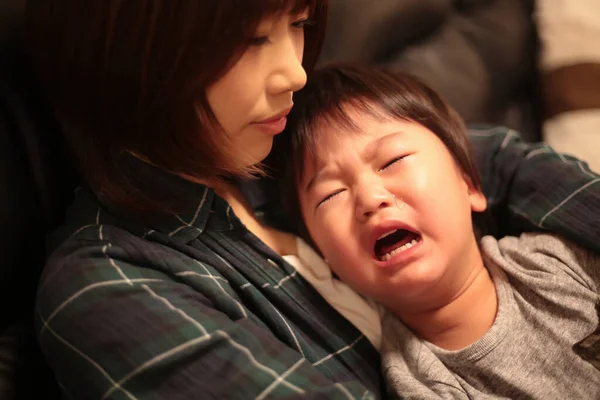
(327,242)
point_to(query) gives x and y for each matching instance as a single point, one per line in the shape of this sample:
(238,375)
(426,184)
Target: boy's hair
(333,92)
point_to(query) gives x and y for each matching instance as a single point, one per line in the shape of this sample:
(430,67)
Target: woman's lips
(274,125)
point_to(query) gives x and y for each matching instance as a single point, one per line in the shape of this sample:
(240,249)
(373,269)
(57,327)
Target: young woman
(163,283)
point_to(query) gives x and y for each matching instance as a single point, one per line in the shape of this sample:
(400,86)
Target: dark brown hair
(130,76)
(375,91)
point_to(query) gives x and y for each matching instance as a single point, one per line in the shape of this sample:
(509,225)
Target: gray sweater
(547,291)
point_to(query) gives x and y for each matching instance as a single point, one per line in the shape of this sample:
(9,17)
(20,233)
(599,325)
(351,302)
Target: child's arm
(530,187)
(565,273)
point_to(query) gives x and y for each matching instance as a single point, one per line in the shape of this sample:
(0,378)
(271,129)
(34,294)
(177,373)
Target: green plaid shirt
(196,307)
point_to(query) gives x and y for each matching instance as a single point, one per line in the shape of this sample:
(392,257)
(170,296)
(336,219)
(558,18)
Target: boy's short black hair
(334,90)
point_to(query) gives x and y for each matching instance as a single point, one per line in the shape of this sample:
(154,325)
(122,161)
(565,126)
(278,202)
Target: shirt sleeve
(530,187)
(579,263)
(112,329)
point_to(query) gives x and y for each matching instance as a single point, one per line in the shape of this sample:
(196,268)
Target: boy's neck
(462,318)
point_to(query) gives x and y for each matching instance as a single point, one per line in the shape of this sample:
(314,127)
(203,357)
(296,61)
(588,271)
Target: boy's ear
(476,196)
(478,201)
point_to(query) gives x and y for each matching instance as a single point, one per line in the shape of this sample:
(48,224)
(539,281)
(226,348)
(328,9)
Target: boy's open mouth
(395,242)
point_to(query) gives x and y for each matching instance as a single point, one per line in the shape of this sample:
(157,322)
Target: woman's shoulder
(94,249)
(82,224)
(90,234)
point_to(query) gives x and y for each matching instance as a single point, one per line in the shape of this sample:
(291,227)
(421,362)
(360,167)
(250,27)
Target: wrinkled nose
(371,200)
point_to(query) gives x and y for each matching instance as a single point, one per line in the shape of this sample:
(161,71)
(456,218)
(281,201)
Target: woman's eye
(392,162)
(259,41)
(303,23)
(329,197)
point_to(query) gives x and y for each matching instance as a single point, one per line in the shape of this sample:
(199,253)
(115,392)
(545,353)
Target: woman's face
(252,100)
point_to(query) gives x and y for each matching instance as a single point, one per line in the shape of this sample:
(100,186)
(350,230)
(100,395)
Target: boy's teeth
(388,256)
(386,234)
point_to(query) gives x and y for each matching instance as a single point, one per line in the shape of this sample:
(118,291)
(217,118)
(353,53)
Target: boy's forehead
(333,135)
(354,125)
(329,136)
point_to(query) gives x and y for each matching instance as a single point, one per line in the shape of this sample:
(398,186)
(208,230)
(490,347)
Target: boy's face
(392,178)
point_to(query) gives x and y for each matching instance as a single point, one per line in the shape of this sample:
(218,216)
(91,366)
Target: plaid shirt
(195,306)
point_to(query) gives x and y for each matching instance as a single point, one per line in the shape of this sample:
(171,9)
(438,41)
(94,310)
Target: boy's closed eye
(392,162)
(332,194)
(329,197)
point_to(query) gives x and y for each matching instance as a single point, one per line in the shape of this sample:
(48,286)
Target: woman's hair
(336,92)
(130,76)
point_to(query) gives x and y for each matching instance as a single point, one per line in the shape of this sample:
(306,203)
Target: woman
(163,283)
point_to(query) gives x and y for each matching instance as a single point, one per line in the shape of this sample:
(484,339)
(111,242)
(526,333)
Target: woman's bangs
(290,6)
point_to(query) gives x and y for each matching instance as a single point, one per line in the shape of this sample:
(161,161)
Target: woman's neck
(464,317)
(280,242)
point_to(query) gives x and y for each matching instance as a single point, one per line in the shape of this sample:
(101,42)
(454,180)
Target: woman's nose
(372,199)
(289,74)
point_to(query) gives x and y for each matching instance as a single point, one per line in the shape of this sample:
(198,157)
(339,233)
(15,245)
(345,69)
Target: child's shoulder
(541,241)
(534,242)
(542,251)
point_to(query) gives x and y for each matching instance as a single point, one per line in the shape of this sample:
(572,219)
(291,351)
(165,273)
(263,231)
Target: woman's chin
(252,156)
(257,153)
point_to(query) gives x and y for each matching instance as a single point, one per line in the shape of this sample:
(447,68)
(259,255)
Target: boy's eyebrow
(371,149)
(367,154)
(319,175)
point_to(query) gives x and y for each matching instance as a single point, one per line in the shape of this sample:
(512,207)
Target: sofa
(480,55)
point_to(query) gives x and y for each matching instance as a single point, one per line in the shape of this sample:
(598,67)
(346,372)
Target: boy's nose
(372,200)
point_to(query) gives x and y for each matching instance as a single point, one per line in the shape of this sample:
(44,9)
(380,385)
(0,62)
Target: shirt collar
(204,209)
